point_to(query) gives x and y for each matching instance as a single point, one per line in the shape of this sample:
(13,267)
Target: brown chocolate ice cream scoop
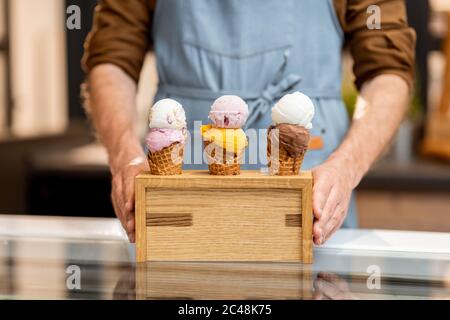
(294,139)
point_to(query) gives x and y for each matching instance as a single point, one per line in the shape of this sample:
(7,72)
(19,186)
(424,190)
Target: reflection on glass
(37,269)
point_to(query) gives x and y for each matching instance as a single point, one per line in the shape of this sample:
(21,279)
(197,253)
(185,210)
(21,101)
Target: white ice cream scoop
(295,108)
(167,114)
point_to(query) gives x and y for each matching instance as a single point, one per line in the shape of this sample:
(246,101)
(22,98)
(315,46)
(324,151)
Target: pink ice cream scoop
(158,139)
(229,112)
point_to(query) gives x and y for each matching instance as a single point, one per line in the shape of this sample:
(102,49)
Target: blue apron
(256,49)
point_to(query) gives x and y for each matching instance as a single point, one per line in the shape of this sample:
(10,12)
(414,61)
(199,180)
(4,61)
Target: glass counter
(81,258)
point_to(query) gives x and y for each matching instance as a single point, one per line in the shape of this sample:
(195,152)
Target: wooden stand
(199,217)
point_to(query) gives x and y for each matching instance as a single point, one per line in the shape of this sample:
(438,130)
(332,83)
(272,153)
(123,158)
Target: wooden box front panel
(223,224)
(195,217)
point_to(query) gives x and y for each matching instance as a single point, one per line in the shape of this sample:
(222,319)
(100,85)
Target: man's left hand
(333,185)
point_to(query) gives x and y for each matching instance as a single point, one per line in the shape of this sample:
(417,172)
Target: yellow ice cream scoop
(232,140)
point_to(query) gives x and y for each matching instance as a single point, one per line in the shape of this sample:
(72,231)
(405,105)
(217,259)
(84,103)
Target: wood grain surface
(293,220)
(169,220)
(195,280)
(247,179)
(140,220)
(198,217)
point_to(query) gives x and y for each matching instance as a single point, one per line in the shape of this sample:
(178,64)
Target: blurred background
(51,164)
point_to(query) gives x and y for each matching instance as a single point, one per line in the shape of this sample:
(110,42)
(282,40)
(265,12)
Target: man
(258,50)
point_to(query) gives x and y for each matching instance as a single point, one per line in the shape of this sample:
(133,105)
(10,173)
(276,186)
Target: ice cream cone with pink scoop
(166,138)
(224,139)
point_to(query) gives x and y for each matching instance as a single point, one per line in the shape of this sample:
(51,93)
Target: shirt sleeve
(120,35)
(389,50)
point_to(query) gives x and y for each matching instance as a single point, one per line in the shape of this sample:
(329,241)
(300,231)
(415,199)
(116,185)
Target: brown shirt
(121,35)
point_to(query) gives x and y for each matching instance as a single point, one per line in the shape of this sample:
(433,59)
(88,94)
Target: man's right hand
(122,194)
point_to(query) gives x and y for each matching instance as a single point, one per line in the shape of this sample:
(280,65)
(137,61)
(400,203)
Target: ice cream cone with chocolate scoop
(166,138)
(224,140)
(288,137)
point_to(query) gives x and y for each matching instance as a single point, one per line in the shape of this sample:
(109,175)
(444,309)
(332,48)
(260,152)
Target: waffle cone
(284,164)
(221,162)
(168,161)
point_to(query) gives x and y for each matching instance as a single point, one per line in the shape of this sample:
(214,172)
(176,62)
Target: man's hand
(379,112)
(331,197)
(122,194)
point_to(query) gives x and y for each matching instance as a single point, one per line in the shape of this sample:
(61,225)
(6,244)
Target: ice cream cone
(288,137)
(168,161)
(166,138)
(221,162)
(283,164)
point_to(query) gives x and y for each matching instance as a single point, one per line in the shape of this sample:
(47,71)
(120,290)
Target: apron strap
(274,91)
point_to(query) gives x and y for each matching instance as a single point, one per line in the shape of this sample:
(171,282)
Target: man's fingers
(130,223)
(117,199)
(129,205)
(116,196)
(338,225)
(327,213)
(131,237)
(335,221)
(317,234)
(330,205)
(117,209)
(127,191)
(321,190)
(318,203)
